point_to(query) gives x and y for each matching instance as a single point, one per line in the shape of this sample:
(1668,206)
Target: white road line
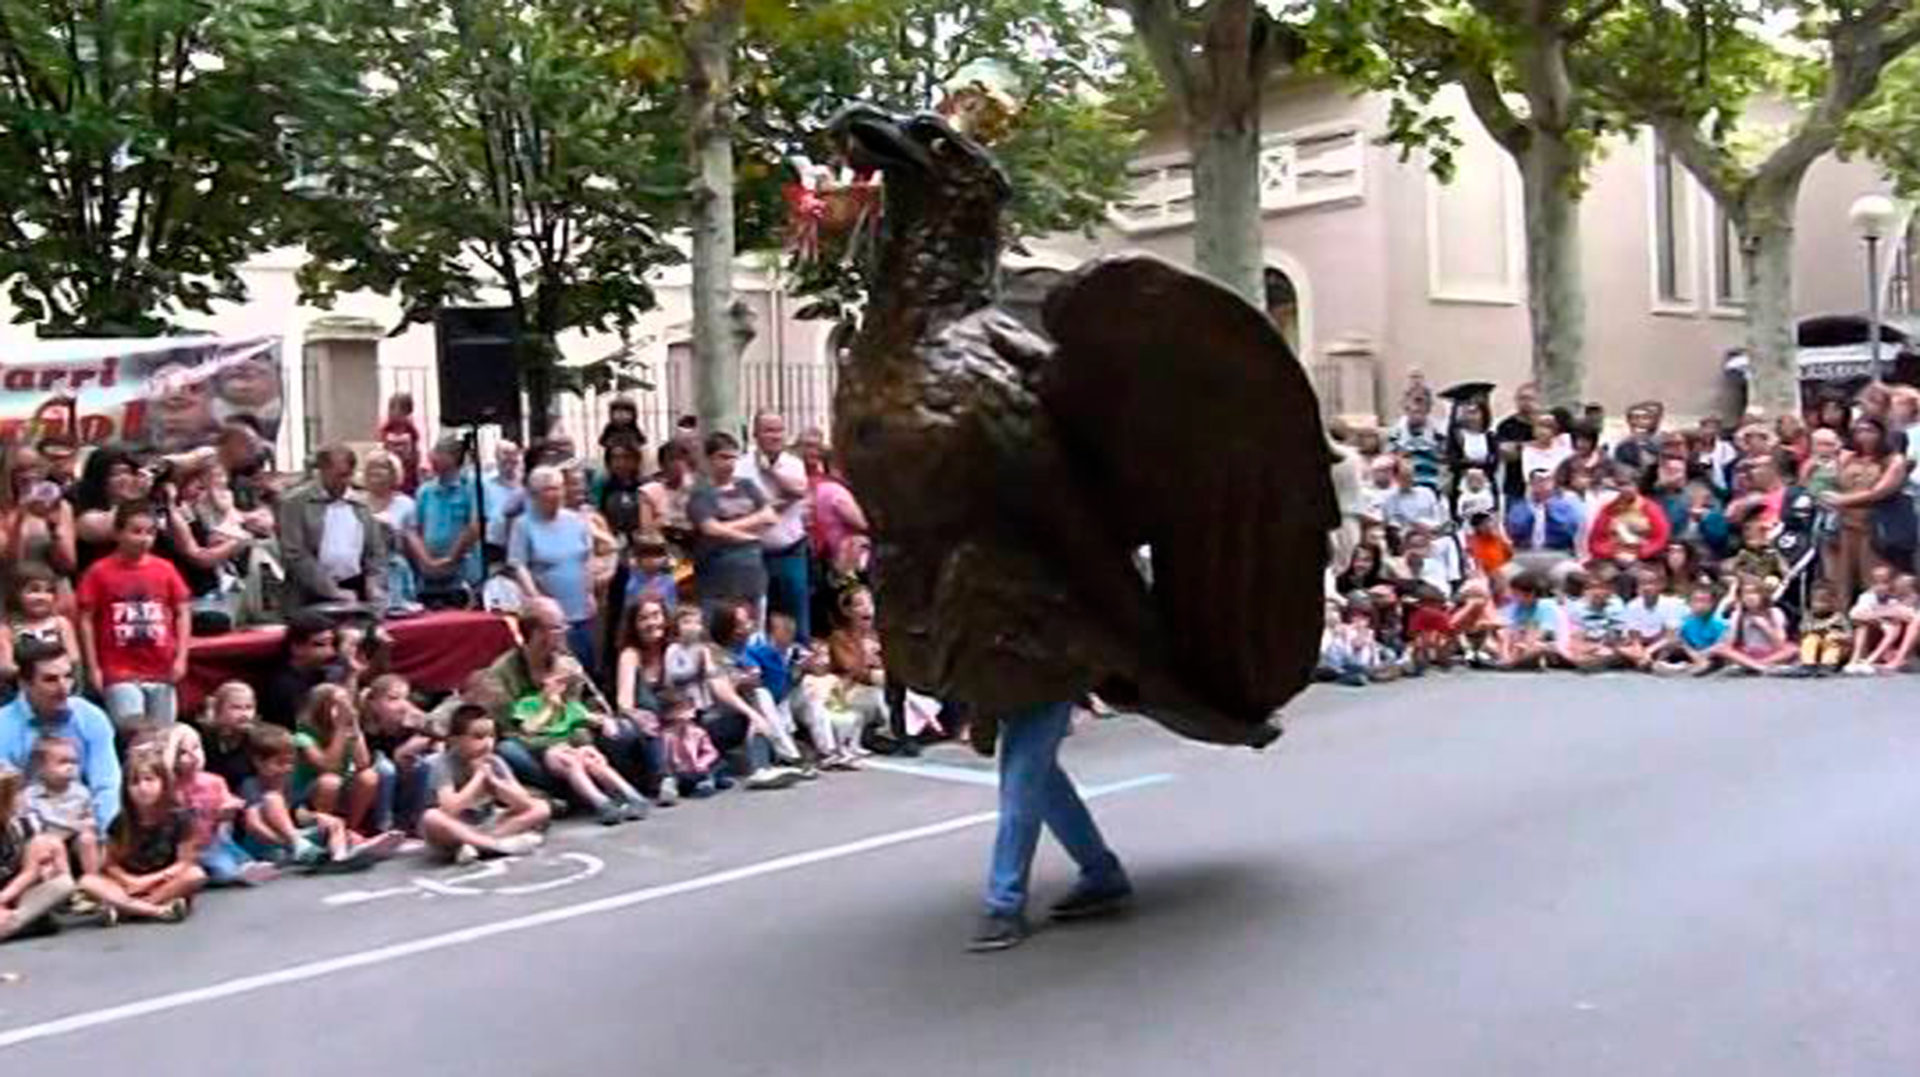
(946,772)
(313,970)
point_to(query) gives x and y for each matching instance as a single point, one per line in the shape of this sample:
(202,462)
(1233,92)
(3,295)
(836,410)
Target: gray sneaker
(999,931)
(772,778)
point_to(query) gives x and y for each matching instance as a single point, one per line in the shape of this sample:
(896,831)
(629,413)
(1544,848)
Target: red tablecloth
(435,651)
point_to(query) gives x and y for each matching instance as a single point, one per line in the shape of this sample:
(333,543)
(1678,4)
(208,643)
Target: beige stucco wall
(1366,272)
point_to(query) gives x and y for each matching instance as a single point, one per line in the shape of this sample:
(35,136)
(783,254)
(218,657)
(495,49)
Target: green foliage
(142,150)
(1827,64)
(1528,71)
(1888,127)
(499,149)
(1081,88)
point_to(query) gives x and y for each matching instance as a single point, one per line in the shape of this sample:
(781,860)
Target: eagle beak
(869,138)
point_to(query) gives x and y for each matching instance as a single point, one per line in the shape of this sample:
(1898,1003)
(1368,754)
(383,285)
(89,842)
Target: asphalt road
(1471,876)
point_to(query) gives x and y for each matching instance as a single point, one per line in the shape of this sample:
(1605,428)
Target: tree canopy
(1080,92)
(500,149)
(1888,126)
(143,150)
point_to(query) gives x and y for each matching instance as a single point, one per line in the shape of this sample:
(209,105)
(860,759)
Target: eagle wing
(1192,420)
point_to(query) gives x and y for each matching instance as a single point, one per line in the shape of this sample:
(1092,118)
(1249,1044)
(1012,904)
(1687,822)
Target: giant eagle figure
(1012,478)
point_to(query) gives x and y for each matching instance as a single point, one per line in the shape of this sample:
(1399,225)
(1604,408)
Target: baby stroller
(1804,527)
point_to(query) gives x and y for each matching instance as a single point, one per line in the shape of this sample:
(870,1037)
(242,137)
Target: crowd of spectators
(687,618)
(1552,540)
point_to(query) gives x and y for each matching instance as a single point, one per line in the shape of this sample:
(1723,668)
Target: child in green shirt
(559,727)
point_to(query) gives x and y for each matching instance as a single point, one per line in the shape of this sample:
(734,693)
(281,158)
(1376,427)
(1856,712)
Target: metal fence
(801,390)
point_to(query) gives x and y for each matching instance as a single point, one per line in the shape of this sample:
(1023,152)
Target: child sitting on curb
(478,807)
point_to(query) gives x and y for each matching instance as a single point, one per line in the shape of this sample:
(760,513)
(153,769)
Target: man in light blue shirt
(448,518)
(47,707)
(506,493)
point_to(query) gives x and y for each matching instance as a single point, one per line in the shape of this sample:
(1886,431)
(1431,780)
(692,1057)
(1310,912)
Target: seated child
(401,739)
(228,721)
(824,699)
(1906,592)
(696,668)
(1430,630)
(33,866)
(60,804)
(1825,632)
(1487,543)
(1476,623)
(776,656)
(818,712)
(1880,621)
(740,687)
(478,807)
(334,775)
(279,829)
(1530,625)
(1757,639)
(1339,661)
(1702,631)
(212,807)
(692,759)
(152,867)
(1595,626)
(1758,557)
(558,727)
(1651,621)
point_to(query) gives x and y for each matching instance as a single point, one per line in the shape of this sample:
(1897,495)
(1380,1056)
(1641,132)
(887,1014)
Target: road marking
(361,897)
(946,772)
(590,866)
(313,970)
(455,885)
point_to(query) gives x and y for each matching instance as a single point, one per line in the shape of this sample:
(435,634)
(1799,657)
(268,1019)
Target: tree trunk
(1556,297)
(1765,221)
(1225,142)
(709,39)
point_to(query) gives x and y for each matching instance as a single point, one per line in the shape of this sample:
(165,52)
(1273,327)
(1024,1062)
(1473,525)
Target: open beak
(872,139)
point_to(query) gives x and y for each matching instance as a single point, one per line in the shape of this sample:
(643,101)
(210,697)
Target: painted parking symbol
(511,878)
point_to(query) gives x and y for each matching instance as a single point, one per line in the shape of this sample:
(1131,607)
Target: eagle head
(922,155)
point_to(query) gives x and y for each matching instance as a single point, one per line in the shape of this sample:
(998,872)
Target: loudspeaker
(479,367)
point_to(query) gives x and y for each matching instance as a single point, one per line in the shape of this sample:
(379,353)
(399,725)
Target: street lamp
(1875,217)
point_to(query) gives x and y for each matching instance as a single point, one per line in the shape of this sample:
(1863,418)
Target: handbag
(1896,530)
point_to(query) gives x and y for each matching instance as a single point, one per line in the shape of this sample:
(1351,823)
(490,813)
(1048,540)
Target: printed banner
(172,392)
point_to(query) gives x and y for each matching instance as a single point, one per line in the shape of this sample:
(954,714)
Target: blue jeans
(131,703)
(580,642)
(787,587)
(527,767)
(403,794)
(223,858)
(1035,791)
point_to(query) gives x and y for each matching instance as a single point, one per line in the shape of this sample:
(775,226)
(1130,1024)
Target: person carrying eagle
(1011,478)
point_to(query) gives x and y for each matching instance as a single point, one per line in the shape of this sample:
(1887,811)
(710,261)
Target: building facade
(1377,269)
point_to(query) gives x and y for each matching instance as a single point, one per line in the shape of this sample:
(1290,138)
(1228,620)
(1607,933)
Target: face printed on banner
(250,385)
(183,409)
